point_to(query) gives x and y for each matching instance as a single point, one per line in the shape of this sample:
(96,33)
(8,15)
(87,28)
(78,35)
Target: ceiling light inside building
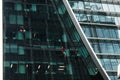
(11,65)
(62,66)
(48,66)
(27,65)
(60,69)
(39,66)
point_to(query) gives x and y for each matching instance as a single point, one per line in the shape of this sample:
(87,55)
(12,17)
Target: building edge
(85,41)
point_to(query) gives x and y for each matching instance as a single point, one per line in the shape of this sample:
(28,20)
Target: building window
(107,64)
(80,5)
(33,8)
(114,64)
(21,69)
(116,47)
(21,50)
(13,48)
(18,7)
(12,19)
(96,47)
(99,32)
(109,47)
(20,19)
(102,47)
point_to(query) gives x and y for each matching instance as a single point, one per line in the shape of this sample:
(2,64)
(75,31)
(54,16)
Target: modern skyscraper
(100,21)
(61,39)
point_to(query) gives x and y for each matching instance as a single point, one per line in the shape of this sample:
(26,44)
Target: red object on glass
(62,49)
(21,30)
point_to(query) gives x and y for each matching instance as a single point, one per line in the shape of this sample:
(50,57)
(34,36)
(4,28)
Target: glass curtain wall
(41,43)
(100,21)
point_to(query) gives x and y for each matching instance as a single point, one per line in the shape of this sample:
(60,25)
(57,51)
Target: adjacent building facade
(100,21)
(61,39)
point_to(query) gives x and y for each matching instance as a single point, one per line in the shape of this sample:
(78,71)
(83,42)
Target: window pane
(20,36)
(99,6)
(6,48)
(87,5)
(18,7)
(13,48)
(117,8)
(77,16)
(87,31)
(102,47)
(21,50)
(111,7)
(118,34)
(110,47)
(33,7)
(83,17)
(106,33)
(19,19)
(107,64)
(113,34)
(80,5)
(116,48)
(99,32)
(28,35)
(21,69)
(93,6)
(95,18)
(74,5)
(96,47)
(114,64)
(12,19)
(93,32)
(105,7)
(102,19)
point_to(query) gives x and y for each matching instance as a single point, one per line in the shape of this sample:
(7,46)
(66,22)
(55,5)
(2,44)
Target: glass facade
(42,43)
(100,20)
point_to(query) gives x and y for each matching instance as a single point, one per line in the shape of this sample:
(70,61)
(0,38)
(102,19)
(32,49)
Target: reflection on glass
(106,47)
(80,5)
(107,64)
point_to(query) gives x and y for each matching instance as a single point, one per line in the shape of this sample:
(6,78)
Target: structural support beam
(85,41)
